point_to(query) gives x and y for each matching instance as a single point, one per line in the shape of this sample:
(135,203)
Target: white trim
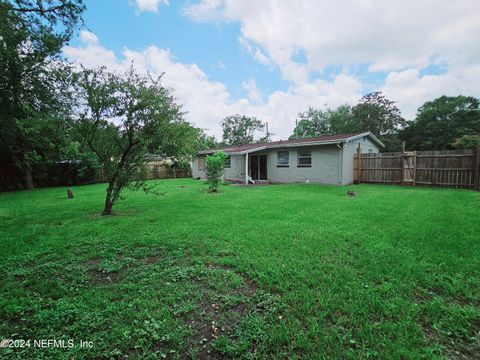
(369,134)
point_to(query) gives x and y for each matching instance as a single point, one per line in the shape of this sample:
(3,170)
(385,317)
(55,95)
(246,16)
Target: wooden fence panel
(446,168)
(157,170)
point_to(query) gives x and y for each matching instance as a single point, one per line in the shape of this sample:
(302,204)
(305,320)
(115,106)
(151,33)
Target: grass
(284,271)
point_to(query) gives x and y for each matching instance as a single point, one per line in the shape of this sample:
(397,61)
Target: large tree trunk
(28,179)
(108,201)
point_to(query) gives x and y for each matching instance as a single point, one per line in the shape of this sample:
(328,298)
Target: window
(201,163)
(283,159)
(304,158)
(228,162)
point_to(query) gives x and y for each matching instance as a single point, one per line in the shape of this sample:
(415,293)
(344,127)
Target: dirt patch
(152,259)
(99,277)
(92,262)
(454,347)
(104,274)
(216,313)
(249,286)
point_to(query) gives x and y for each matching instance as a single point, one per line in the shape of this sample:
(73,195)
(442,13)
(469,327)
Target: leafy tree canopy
(205,141)
(32,81)
(317,122)
(377,114)
(240,129)
(444,123)
(374,113)
(124,117)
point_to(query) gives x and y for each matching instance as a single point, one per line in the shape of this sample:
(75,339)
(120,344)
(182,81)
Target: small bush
(214,165)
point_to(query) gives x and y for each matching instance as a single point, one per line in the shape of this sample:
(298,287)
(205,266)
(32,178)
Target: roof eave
(276,146)
(369,134)
(298,144)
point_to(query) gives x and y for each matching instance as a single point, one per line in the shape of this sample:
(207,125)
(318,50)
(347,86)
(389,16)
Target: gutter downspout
(340,163)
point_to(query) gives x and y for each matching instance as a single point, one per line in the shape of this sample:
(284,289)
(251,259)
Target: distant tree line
(442,124)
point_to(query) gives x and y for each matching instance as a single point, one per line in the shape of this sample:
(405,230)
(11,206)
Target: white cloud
(254,94)
(208,101)
(411,89)
(397,38)
(389,35)
(257,53)
(88,37)
(206,10)
(262,58)
(91,54)
(245,44)
(148,5)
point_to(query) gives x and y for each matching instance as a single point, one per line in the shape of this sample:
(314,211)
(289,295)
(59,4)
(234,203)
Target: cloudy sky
(272,59)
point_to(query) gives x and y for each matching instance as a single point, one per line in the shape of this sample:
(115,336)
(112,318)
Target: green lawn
(283,271)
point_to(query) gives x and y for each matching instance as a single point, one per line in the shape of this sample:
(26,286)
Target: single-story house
(324,159)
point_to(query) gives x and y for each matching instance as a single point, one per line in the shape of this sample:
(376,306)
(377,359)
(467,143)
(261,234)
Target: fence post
(414,175)
(476,185)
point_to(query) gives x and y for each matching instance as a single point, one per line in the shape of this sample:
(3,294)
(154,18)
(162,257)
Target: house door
(258,167)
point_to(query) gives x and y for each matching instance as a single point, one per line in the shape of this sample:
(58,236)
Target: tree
(377,114)
(380,116)
(444,123)
(240,129)
(214,165)
(122,118)
(373,113)
(32,105)
(205,141)
(467,142)
(317,122)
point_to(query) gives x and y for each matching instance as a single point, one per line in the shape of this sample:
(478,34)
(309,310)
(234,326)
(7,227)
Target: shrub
(214,165)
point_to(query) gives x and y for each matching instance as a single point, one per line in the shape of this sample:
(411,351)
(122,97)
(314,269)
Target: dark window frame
(288,159)
(228,162)
(301,157)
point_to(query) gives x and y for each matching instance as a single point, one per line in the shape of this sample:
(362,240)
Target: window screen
(304,158)
(228,162)
(283,159)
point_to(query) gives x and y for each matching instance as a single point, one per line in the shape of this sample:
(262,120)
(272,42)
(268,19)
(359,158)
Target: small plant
(214,165)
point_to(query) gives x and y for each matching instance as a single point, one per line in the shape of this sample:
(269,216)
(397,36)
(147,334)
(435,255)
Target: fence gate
(409,161)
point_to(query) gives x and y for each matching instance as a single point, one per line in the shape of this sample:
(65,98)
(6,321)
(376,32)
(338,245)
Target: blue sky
(273,59)
(212,46)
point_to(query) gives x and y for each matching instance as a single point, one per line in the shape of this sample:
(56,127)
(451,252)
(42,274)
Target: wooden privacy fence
(446,168)
(156,170)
